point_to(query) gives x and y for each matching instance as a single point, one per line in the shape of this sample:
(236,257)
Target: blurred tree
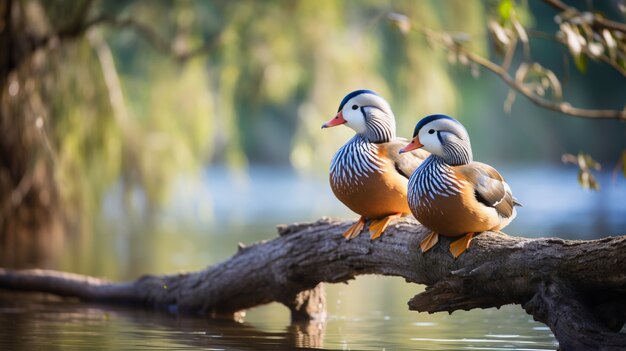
(104,94)
(67,132)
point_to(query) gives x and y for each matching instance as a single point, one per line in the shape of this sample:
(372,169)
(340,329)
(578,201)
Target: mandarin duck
(367,174)
(450,194)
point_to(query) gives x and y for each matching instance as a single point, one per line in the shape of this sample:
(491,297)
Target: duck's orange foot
(429,241)
(459,246)
(355,229)
(378,226)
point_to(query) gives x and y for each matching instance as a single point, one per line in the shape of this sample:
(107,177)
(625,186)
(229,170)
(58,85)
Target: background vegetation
(105,95)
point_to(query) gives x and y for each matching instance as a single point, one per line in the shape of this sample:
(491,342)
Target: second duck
(451,194)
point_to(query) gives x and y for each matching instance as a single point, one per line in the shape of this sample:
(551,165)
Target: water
(209,215)
(40,324)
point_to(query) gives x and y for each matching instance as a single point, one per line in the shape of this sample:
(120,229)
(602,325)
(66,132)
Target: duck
(367,174)
(449,193)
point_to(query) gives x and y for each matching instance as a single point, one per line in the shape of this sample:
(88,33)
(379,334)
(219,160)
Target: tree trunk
(576,287)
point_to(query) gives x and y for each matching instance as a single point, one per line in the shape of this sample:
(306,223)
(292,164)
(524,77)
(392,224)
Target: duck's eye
(354,107)
(432,131)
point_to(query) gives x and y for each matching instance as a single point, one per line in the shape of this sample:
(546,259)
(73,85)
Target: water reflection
(50,324)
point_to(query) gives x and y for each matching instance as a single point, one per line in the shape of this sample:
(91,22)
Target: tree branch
(598,21)
(557,106)
(496,270)
(520,87)
(585,49)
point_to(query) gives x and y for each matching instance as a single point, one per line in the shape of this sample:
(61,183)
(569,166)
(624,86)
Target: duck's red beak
(335,121)
(414,144)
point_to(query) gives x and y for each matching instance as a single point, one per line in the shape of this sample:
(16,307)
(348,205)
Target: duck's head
(442,136)
(367,114)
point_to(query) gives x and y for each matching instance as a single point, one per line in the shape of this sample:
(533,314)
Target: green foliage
(585,35)
(585,39)
(505,10)
(124,111)
(580,61)
(88,149)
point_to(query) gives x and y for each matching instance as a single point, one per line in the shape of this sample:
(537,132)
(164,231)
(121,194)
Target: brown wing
(489,187)
(406,163)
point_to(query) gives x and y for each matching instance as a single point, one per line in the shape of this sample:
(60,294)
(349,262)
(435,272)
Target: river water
(208,215)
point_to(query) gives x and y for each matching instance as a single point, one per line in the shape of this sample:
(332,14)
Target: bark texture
(578,288)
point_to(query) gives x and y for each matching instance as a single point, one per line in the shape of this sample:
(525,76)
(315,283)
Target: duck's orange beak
(335,121)
(414,144)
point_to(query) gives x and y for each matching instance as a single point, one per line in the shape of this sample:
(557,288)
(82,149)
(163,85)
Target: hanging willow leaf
(505,8)
(581,62)
(521,73)
(585,165)
(587,180)
(585,161)
(540,79)
(499,33)
(596,49)
(575,41)
(555,84)
(522,35)
(610,42)
(510,99)
(521,32)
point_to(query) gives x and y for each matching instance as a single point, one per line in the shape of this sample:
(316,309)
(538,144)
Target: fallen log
(577,288)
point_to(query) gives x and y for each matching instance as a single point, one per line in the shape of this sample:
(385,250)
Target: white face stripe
(431,141)
(382,124)
(448,140)
(354,118)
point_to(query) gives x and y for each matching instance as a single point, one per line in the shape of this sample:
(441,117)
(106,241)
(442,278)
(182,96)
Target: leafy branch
(597,19)
(585,165)
(586,35)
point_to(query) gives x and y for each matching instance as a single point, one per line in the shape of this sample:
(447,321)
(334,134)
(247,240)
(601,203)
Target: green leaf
(590,163)
(611,43)
(581,62)
(621,62)
(587,180)
(585,165)
(505,8)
